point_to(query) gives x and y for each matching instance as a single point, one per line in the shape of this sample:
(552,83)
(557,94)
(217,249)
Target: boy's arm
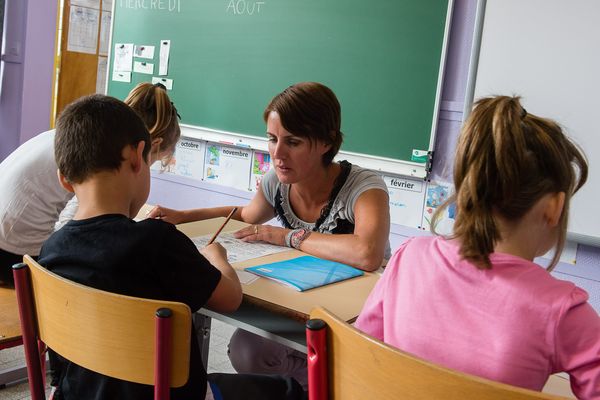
(227,296)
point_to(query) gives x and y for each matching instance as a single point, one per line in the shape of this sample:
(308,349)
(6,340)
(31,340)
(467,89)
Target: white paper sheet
(104,32)
(101,75)
(238,250)
(228,165)
(246,278)
(120,76)
(86,3)
(83,30)
(165,81)
(107,5)
(144,51)
(165,49)
(189,158)
(142,67)
(123,57)
(406,200)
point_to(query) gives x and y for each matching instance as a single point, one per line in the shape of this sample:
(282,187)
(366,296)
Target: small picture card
(165,81)
(165,49)
(144,51)
(123,57)
(143,67)
(120,76)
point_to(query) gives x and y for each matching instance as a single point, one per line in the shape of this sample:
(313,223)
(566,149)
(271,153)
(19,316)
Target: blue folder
(306,272)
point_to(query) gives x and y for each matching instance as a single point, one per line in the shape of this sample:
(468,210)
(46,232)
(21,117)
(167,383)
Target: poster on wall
(101,75)
(406,200)
(261,164)
(227,165)
(437,194)
(83,30)
(189,159)
(105,20)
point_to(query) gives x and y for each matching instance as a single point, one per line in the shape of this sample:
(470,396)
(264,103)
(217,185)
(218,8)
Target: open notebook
(306,272)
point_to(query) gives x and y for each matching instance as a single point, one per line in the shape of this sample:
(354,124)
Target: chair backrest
(108,333)
(344,363)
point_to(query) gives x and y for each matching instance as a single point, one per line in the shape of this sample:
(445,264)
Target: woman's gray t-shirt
(341,212)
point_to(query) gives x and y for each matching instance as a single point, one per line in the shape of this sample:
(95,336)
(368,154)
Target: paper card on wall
(228,166)
(101,75)
(143,67)
(123,57)
(119,76)
(107,5)
(261,164)
(104,32)
(406,200)
(437,194)
(165,49)
(167,82)
(83,30)
(189,158)
(86,3)
(144,51)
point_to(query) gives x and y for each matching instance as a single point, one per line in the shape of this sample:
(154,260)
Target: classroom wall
(26,85)
(179,192)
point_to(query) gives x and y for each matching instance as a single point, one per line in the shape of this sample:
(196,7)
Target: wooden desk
(10,334)
(10,328)
(345,299)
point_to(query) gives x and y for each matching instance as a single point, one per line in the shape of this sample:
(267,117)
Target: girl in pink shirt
(475,301)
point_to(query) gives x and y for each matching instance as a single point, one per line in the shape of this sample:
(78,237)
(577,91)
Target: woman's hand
(263,233)
(166,214)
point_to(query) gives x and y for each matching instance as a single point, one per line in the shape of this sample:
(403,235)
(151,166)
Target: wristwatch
(297,236)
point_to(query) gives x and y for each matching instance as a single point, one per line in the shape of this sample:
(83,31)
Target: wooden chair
(129,338)
(344,363)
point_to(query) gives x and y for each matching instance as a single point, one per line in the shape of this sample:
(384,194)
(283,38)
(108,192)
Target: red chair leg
(162,360)
(42,351)
(316,342)
(28,331)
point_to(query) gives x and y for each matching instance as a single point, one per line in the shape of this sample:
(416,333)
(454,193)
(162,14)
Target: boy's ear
(137,157)
(554,208)
(64,182)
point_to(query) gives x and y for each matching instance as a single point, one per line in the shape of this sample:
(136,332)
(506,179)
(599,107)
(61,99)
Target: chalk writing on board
(247,7)
(159,5)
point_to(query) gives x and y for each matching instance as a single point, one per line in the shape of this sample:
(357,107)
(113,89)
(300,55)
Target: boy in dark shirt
(101,149)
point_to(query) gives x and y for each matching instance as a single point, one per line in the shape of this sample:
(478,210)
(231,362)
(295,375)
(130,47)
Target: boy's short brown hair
(91,133)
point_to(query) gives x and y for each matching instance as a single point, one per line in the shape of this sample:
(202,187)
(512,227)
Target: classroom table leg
(202,328)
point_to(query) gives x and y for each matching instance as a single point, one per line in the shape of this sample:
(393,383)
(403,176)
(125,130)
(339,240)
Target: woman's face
(294,158)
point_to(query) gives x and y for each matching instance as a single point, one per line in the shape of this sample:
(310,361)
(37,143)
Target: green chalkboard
(229,57)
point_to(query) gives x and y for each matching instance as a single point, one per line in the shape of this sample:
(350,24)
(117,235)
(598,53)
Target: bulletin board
(548,52)
(82,55)
(228,58)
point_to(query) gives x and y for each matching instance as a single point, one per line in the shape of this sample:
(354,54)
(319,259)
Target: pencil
(222,226)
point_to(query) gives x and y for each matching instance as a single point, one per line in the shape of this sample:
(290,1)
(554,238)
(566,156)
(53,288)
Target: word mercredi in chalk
(160,5)
(239,7)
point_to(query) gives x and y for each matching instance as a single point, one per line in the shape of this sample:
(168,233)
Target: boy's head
(91,134)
